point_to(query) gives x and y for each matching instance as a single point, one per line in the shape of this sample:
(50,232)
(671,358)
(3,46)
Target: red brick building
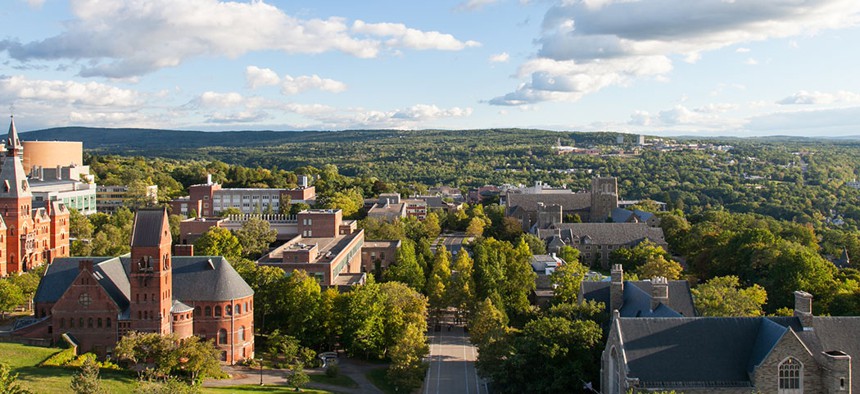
(98,300)
(28,237)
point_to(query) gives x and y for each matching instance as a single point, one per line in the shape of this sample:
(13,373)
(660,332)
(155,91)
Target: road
(453,242)
(452,364)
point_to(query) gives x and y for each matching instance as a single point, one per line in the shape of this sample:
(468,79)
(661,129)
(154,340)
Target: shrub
(332,371)
(59,359)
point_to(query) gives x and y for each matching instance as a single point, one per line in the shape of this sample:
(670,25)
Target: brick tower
(16,206)
(151,278)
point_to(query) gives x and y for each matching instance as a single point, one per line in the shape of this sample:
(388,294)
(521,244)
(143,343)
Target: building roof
(195,278)
(568,201)
(704,351)
(147,227)
(637,298)
(604,233)
(621,215)
(13,179)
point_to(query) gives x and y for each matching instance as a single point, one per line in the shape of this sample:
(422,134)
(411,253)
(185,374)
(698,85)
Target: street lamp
(261,370)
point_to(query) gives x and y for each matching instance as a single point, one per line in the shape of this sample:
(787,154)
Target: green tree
(432,225)
(298,305)
(10,296)
(198,359)
(87,380)
(80,232)
(439,277)
(569,254)
(659,266)
(139,196)
(488,325)
(475,228)
(722,296)
(218,241)
(536,245)
(406,371)
(406,269)
(566,281)
(9,381)
(28,282)
(631,258)
(297,378)
(255,236)
(461,286)
(284,203)
(230,211)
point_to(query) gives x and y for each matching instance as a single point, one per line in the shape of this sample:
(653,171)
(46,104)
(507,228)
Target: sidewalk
(275,377)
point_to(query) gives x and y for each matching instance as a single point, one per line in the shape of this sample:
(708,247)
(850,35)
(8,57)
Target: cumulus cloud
(36,3)
(19,88)
(705,117)
(500,57)
(808,98)
(589,45)
(256,77)
(404,118)
(125,39)
(303,83)
(825,122)
(400,36)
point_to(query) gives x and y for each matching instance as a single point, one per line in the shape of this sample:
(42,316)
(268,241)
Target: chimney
(803,309)
(85,265)
(208,179)
(659,292)
(616,288)
(200,209)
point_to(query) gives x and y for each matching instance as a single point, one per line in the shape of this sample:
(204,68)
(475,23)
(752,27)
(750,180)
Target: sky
(657,67)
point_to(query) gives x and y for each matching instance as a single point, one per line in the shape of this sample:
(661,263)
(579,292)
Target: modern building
(109,198)
(213,199)
(97,300)
(378,255)
(783,355)
(388,208)
(77,195)
(32,236)
(595,241)
(52,154)
(327,247)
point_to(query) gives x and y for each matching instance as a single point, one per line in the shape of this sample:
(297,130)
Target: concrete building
(327,247)
(213,199)
(388,208)
(32,236)
(97,300)
(76,195)
(783,355)
(52,154)
(109,198)
(378,255)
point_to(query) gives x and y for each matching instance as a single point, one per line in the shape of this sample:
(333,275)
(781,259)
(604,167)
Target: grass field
(339,380)
(256,389)
(24,361)
(379,379)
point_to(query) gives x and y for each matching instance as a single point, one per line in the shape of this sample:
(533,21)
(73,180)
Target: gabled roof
(836,333)
(621,215)
(13,179)
(60,274)
(606,233)
(706,351)
(637,298)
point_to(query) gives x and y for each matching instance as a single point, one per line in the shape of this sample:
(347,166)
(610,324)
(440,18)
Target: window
(238,309)
(196,311)
(62,322)
(242,333)
(228,310)
(222,337)
(99,323)
(218,310)
(790,376)
(208,311)
(108,323)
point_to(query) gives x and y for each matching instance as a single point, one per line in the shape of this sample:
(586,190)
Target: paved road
(453,242)
(452,364)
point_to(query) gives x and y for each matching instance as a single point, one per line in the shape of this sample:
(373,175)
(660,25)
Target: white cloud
(597,43)
(751,62)
(474,5)
(825,122)
(401,36)
(500,58)
(290,85)
(256,77)
(123,39)
(806,97)
(742,50)
(36,3)
(419,115)
(237,117)
(19,88)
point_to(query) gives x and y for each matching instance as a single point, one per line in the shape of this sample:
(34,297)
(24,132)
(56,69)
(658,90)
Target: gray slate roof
(708,350)
(621,215)
(194,279)
(604,233)
(836,333)
(637,298)
(147,227)
(568,201)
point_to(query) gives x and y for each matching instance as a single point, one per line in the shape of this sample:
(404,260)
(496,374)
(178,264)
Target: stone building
(783,355)
(97,300)
(32,236)
(656,297)
(596,241)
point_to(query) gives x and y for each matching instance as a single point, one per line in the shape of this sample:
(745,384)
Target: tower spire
(13,144)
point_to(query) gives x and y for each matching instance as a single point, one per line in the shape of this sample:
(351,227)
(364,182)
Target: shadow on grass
(379,378)
(339,380)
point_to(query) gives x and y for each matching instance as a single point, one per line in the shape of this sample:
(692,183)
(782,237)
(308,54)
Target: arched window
(108,322)
(238,309)
(242,333)
(217,310)
(222,337)
(196,311)
(208,311)
(614,380)
(228,310)
(790,376)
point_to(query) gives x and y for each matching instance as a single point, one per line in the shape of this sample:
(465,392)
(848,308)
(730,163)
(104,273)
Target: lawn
(24,361)
(339,380)
(379,378)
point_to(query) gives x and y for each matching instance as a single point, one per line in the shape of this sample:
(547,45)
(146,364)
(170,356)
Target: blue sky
(660,67)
